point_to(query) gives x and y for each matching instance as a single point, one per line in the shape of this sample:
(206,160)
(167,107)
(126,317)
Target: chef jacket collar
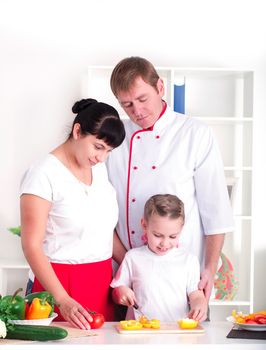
(157,121)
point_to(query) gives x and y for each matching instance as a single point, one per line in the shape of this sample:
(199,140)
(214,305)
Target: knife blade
(136,307)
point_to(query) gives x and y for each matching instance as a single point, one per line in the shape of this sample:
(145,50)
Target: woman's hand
(124,295)
(74,313)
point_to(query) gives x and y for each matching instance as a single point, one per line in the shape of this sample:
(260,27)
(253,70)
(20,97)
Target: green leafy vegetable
(6,314)
(15,230)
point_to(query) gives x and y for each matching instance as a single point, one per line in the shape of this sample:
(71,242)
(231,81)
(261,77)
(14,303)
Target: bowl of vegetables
(251,322)
(34,309)
(29,318)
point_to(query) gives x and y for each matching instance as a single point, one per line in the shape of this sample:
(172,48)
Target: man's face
(142,103)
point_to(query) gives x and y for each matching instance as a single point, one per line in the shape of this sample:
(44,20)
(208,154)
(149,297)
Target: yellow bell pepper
(39,308)
(262,312)
(146,323)
(155,324)
(188,323)
(131,325)
(143,319)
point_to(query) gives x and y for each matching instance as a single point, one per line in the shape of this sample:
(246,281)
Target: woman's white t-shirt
(82,218)
(161,283)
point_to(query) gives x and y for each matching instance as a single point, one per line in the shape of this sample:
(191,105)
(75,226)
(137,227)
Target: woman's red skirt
(88,284)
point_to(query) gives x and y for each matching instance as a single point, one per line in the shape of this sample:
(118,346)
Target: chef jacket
(177,155)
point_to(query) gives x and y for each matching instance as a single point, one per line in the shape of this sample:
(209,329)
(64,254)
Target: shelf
(206,72)
(216,119)
(238,168)
(228,302)
(13,274)
(243,217)
(4,264)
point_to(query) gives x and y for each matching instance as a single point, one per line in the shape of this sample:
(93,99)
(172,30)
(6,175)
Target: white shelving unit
(222,98)
(13,275)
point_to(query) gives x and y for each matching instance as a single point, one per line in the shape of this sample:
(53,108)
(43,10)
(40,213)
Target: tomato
(258,316)
(261,320)
(98,319)
(249,321)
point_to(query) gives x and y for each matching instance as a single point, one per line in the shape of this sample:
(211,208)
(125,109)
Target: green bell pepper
(41,295)
(15,304)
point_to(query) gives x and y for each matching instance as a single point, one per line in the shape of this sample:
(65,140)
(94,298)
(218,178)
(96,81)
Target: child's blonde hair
(164,205)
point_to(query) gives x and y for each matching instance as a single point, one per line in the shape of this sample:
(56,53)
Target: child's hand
(124,295)
(198,313)
(198,306)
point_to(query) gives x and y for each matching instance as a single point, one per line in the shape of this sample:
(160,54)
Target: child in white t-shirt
(160,277)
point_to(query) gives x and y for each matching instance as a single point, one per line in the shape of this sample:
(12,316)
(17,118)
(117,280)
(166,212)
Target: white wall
(46,46)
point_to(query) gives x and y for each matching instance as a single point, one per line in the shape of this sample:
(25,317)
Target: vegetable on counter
(12,307)
(2,329)
(39,333)
(147,323)
(254,318)
(131,325)
(15,305)
(39,308)
(187,323)
(142,322)
(98,319)
(49,298)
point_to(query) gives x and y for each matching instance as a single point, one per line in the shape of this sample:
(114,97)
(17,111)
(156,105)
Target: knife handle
(136,306)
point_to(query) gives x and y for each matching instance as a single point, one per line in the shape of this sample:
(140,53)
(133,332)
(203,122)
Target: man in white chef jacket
(167,152)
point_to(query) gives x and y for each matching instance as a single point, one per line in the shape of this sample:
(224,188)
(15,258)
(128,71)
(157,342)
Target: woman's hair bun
(82,104)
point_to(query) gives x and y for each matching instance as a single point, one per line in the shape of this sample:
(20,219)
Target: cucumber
(40,333)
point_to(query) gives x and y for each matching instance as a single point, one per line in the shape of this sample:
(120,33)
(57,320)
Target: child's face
(162,233)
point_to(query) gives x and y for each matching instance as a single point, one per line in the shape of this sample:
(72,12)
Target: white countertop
(107,337)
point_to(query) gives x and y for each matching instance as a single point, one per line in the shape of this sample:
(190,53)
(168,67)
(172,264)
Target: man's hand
(213,247)
(206,283)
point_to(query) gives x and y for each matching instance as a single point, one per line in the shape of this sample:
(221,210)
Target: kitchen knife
(136,307)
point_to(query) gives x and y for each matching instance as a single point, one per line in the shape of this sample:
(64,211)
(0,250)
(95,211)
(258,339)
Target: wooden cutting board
(165,328)
(75,332)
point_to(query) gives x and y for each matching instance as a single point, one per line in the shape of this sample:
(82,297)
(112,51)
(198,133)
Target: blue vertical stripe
(179,98)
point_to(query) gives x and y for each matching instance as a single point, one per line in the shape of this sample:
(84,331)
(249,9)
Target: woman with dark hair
(68,215)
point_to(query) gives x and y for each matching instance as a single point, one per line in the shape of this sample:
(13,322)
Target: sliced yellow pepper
(130,325)
(143,319)
(188,323)
(146,323)
(240,319)
(155,324)
(263,312)
(234,313)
